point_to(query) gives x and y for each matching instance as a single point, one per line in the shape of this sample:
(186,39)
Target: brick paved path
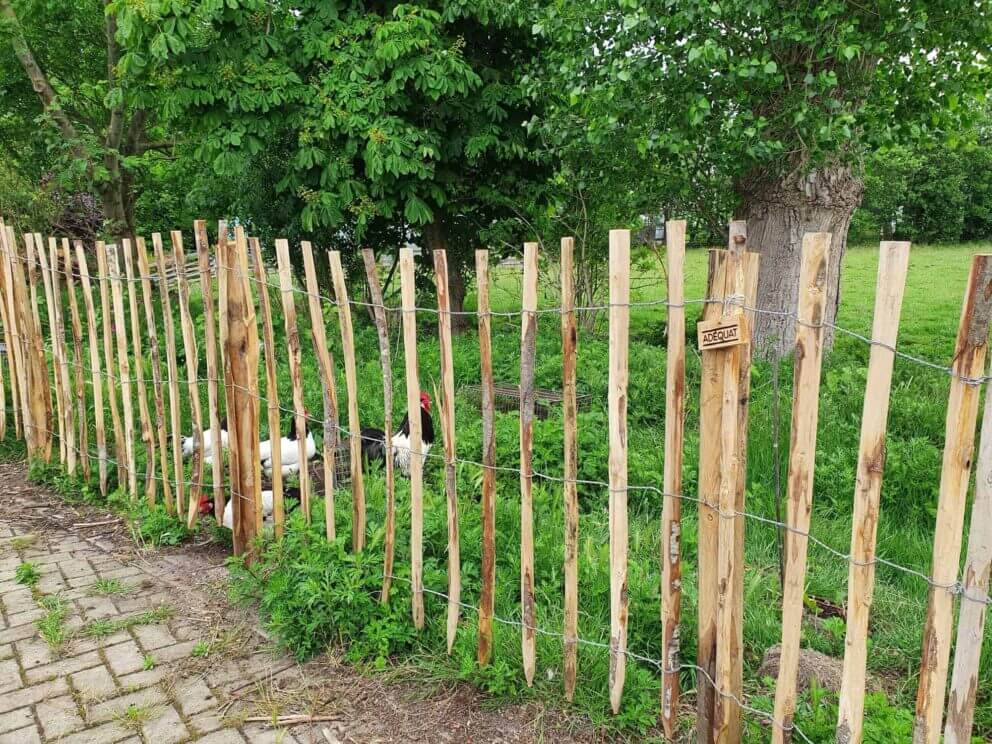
(153,682)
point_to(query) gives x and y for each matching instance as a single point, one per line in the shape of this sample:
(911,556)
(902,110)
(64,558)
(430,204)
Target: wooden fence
(62,395)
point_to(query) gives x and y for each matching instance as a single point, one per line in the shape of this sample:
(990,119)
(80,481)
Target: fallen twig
(290,720)
(104,523)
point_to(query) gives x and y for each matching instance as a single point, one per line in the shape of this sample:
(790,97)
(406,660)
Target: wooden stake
(8,337)
(139,370)
(569,342)
(671,517)
(959,445)
(213,373)
(144,270)
(351,381)
(487,594)
(18,362)
(975,594)
(95,366)
(172,374)
(619,337)
(448,431)
(60,359)
(409,295)
(77,358)
(109,359)
(124,368)
(241,361)
(43,394)
(293,341)
(382,329)
(192,371)
(815,262)
(329,390)
(271,388)
(218,460)
(528,350)
(47,278)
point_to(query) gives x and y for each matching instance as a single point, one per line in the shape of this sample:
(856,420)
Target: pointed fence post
(968,363)
(815,263)
(109,361)
(271,387)
(124,369)
(671,515)
(49,280)
(448,431)
(79,383)
(213,373)
(382,330)
(409,296)
(14,349)
(172,373)
(528,349)
(487,592)
(95,366)
(42,392)
(569,343)
(144,271)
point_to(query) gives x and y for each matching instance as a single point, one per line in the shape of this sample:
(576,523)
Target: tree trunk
(436,238)
(778,213)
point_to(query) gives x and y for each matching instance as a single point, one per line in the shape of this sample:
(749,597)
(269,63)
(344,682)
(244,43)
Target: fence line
(724,504)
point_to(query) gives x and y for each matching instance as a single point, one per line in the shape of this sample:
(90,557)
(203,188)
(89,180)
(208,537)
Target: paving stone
(94,608)
(107,710)
(6,651)
(28,735)
(58,717)
(18,601)
(10,675)
(76,568)
(143,604)
(94,684)
(224,736)
(144,678)
(28,618)
(124,658)
(16,719)
(152,637)
(168,728)
(258,733)
(34,653)
(33,694)
(207,721)
(17,632)
(108,733)
(194,696)
(176,652)
(62,667)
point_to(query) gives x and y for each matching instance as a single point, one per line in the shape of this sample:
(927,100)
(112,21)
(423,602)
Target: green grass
(325,609)
(110,587)
(27,574)
(51,625)
(104,627)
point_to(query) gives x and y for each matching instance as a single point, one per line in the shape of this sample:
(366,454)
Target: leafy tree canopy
(371,112)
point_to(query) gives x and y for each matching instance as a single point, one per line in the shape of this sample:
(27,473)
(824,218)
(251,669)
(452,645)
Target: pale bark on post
(139,373)
(14,337)
(726,713)
(351,383)
(219,456)
(172,374)
(293,342)
(528,350)
(144,271)
(975,595)
(124,370)
(813,279)
(671,515)
(48,280)
(959,444)
(487,592)
(409,298)
(617,403)
(192,378)
(271,389)
(382,330)
(95,366)
(18,303)
(7,335)
(109,360)
(213,374)
(241,362)
(79,383)
(893,264)
(36,376)
(448,432)
(569,342)
(60,357)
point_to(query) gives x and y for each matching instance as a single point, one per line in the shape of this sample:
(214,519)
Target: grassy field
(313,594)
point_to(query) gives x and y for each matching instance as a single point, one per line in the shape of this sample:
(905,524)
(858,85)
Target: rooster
(289,451)
(291,492)
(189,443)
(374,440)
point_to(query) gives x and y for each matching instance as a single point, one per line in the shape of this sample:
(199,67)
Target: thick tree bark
(436,238)
(778,214)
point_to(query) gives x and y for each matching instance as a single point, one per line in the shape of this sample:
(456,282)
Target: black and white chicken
(374,440)
(189,443)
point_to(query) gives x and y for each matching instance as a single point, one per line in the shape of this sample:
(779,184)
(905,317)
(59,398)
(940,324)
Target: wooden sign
(721,333)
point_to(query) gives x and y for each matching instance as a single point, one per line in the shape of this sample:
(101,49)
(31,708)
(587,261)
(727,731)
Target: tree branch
(115,128)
